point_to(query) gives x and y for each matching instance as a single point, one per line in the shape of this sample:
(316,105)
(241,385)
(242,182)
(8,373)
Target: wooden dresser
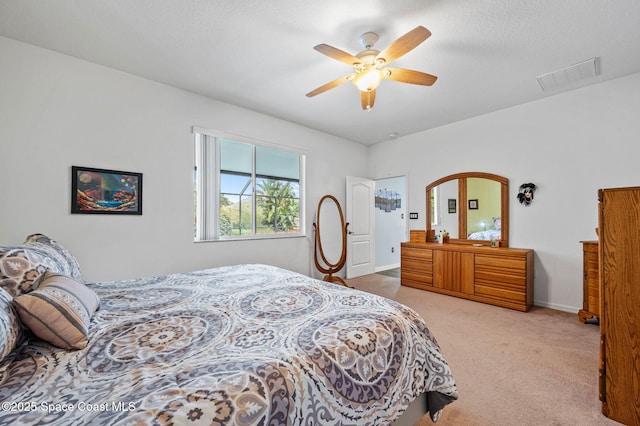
(590,282)
(498,276)
(619,233)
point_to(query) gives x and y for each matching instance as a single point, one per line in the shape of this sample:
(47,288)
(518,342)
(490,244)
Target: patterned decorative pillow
(497,223)
(59,311)
(11,328)
(21,266)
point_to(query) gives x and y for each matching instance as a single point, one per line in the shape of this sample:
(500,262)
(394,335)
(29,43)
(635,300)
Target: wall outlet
(393,249)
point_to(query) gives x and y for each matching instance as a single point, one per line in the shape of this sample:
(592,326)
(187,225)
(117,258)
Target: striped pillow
(59,311)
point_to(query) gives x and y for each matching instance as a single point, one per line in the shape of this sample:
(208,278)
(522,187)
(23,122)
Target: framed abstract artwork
(100,191)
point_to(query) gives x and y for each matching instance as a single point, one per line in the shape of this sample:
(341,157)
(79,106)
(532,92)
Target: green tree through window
(278,205)
(244,190)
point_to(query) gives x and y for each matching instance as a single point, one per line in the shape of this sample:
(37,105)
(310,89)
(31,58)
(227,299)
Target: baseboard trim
(557,307)
(387,267)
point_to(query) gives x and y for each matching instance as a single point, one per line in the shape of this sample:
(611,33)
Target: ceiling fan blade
(409,76)
(404,44)
(337,54)
(367,99)
(330,85)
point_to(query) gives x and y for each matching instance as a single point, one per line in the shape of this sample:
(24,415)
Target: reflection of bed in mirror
(491,234)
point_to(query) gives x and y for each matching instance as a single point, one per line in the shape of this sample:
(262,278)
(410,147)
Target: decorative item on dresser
(497,276)
(417,236)
(619,239)
(590,282)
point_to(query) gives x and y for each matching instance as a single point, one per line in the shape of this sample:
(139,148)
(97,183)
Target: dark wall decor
(473,204)
(525,194)
(100,191)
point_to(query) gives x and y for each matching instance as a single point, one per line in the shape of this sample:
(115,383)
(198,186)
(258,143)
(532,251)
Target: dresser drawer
(502,276)
(411,264)
(501,292)
(408,277)
(510,264)
(416,253)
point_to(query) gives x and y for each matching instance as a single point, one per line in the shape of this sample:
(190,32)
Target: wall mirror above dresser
(473,207)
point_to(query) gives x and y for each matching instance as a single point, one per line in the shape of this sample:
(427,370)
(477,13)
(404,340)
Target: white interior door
(360,214)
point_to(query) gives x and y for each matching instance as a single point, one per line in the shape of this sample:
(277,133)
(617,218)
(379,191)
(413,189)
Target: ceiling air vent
(581,71)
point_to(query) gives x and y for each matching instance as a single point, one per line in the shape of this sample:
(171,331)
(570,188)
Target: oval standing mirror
(473,207)
(330,242)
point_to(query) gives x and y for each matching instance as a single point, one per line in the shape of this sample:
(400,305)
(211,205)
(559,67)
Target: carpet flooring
(511,368)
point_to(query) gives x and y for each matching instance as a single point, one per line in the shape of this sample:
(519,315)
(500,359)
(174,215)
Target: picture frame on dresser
(103,191)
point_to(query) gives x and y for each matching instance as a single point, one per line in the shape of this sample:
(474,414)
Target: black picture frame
(473,204)
(103,191)
(452,205)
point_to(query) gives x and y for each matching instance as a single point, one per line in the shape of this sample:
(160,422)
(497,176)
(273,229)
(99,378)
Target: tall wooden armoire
(619,223)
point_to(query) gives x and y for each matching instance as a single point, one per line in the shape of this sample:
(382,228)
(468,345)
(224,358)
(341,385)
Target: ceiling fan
(369,65)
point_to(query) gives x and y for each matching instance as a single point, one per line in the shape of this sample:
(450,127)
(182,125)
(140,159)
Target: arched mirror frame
(322,263)
(462,210)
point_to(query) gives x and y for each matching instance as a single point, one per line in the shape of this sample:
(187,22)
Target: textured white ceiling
(259,54)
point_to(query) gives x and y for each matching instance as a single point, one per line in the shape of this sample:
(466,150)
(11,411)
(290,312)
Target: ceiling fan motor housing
(367,40)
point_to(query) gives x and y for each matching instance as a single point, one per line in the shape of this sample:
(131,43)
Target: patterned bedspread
(491,234)
(241,345)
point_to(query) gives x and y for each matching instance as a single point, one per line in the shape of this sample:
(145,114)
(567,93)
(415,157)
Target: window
(244,190)
(435,206)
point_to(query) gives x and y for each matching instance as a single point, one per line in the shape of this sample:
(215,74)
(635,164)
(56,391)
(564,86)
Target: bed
(238,345)
(489,234)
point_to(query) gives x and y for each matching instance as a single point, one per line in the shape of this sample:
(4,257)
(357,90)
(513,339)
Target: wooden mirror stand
(323,264)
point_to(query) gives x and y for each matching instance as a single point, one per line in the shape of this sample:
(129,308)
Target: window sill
(252,238)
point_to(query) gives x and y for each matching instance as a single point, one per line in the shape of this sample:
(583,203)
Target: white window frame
(207,188)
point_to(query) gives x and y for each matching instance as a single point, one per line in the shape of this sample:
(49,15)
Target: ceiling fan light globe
(368,80)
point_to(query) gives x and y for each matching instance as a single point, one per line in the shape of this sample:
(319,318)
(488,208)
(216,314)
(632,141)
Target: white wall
(569,145)
(391,226)
(57,111)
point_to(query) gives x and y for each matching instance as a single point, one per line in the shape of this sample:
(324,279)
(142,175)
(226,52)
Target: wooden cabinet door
(620,313)
(453,271)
